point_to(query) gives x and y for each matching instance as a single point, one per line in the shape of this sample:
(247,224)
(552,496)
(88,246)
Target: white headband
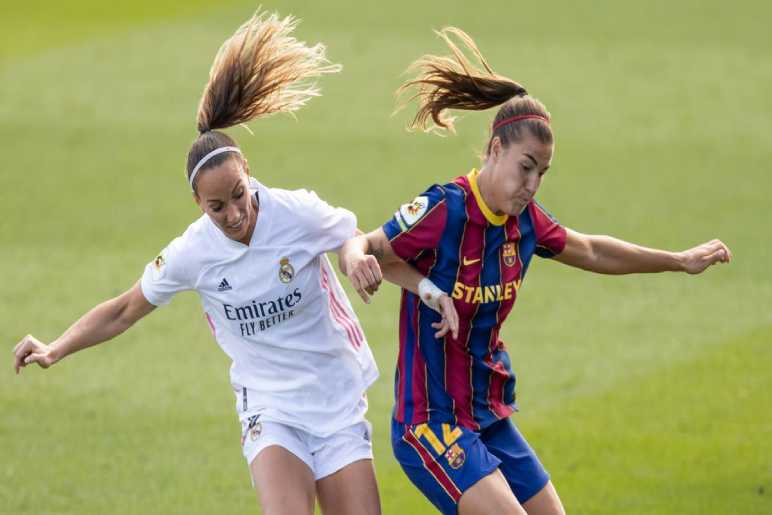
(206,158)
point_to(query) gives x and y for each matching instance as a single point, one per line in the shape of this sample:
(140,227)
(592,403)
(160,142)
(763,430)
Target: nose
(231,214)
(532,184)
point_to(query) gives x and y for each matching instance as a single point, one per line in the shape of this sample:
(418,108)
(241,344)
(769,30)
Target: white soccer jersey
(277,309)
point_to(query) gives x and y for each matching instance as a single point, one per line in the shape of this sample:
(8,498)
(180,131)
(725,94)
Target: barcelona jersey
(450,235)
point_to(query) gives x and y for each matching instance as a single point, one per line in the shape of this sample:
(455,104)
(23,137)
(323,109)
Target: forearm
(394,269)
(102,323)
(373,243)
(403,275)
(607,255)
(610,255)
(368,258)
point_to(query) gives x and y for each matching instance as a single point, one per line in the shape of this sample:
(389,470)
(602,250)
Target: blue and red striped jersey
(450,235)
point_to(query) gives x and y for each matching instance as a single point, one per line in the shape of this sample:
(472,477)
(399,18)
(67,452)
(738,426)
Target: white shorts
(323,455)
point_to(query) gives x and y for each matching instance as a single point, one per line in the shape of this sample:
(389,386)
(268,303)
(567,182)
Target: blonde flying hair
(260,70)
(457,82)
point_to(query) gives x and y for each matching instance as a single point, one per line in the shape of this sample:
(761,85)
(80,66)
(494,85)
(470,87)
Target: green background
(641,394)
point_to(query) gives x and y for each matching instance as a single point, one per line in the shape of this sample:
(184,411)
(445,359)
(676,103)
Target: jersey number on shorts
(448,436)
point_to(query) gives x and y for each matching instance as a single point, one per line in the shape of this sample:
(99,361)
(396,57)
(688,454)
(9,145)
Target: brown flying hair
(456,82)
(260,70)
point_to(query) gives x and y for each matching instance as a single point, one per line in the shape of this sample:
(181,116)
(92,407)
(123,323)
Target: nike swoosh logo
(468,262)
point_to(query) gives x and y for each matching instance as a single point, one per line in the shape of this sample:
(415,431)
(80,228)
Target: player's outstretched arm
(607,255)
(368,258)
(105,321)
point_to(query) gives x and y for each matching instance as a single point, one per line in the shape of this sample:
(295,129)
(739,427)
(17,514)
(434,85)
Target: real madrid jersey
(276,308)
(450,235)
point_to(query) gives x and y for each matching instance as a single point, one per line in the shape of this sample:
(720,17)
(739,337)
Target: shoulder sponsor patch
(412,212)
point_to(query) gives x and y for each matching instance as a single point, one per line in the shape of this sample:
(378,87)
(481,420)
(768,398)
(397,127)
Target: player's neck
(486,188)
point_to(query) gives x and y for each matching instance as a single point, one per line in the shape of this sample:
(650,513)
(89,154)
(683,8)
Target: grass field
(642,394)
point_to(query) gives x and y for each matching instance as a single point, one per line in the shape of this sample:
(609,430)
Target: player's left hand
(697,259)
(449,320)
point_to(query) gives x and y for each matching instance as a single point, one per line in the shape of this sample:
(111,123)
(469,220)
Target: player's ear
(496,149)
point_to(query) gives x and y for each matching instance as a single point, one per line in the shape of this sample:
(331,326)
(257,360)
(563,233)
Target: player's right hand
(365,275)
(31,350)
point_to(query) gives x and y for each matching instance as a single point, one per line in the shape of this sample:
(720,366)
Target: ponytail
(260,70)
(456,82)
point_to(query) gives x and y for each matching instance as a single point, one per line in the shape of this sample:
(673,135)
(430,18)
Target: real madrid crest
(509,253)
(254,431)
(286,272)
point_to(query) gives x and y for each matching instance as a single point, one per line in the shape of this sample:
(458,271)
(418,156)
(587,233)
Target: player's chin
(242,234)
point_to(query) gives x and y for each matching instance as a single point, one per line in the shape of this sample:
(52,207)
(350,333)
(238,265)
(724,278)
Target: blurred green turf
(641,394)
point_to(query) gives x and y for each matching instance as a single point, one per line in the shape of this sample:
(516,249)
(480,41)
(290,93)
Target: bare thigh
(284,483)
(350,491)
(546,502)
(491,494)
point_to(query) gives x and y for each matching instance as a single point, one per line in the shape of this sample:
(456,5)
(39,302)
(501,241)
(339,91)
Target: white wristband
(430,294)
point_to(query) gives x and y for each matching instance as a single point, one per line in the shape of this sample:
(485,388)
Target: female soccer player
(301,363)
(475,237)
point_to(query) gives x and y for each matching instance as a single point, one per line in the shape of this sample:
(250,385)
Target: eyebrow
(531,157)
(232,192)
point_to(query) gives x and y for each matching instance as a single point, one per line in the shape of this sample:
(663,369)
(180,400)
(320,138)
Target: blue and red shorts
(444,460)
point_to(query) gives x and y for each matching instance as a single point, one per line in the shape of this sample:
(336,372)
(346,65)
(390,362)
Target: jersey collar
(492,217)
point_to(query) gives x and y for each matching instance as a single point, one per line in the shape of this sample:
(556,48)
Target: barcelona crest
(509,253)
(455,456)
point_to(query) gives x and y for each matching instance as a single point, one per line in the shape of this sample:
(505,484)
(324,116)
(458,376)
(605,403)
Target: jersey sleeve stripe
(400,221)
